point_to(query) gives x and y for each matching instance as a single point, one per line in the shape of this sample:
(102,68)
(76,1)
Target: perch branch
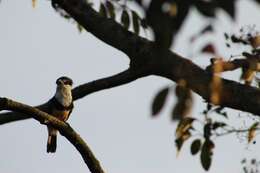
(79,92)
(66,130)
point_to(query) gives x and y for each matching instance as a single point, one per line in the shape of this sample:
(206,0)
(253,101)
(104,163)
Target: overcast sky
(38,46)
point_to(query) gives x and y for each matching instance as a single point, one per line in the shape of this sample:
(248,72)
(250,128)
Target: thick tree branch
(81,91)
(144,54)
(64,128)
(105,29)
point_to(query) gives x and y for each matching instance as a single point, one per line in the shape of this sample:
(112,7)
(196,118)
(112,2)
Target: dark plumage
(60,106)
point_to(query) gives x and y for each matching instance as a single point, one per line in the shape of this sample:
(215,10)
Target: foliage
(250,166)
(159,101)
(127,16)
(165,18)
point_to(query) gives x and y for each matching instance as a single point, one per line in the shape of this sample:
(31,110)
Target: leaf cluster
(128,17)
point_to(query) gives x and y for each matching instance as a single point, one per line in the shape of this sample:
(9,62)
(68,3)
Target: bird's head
(63,91)
(64,81)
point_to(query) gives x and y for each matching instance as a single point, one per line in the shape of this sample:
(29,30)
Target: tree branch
(82,91)
(120,38)
(106,83)
(8,117)
(148,60)
(64,128)
(144,54)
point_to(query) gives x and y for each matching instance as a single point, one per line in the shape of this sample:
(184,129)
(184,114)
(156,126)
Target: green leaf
(209,106)
(207,130)
(226,36)
(159,101)
(111,9)
(136,25)
(125,19)
(220,111)
(66,16)
(243,161)
(254,126)
(195,146)
(178,143)
(218,124)
(206,154)
(102,10)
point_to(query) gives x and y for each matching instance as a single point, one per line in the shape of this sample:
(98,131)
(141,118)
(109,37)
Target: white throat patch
(63,95)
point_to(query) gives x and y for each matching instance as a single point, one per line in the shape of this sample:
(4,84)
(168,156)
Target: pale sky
(38,46)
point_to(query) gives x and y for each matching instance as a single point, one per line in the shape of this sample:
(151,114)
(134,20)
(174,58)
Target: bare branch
(64,128)
(228,132)
(8,117)
(81,91)
(105,83)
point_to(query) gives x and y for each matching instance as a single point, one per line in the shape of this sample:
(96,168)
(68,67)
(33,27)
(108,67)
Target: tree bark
(64,128)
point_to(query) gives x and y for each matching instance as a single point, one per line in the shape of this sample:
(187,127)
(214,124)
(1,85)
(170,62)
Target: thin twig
(233,130)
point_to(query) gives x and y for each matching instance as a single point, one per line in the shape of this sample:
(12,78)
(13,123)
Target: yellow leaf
(252,132)
(251,135)
(216,81)
(33,3)
(247,75)
(255,41)
(184,101)
(183,127)
(173,10)
(170,8)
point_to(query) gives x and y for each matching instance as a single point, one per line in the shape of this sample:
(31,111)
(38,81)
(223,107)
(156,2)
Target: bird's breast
(62,115)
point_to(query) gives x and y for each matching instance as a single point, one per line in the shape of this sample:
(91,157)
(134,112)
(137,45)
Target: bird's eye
(67,82)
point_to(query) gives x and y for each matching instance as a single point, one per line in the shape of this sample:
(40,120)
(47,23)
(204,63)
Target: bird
(59,106)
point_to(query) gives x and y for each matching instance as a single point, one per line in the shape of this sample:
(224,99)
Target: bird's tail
(52,140)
